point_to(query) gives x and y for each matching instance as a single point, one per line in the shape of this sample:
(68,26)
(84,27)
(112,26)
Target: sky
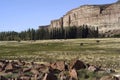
(20,15)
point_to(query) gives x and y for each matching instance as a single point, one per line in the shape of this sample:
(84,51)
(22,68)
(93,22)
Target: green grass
(105,53)
(88,75)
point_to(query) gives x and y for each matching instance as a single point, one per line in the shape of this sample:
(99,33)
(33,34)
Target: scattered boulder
(92,68)
(25,78)
(20,63)
(77,64)
(26,70)
(62,76)
(44,69)
(73,74)
(49,76)
(110,70)
(34,71)
(59,65)
(9,67)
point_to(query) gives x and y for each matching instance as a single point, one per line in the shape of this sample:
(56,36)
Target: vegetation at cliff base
(44,33)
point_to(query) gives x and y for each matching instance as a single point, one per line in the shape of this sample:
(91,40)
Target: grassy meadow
(101,51)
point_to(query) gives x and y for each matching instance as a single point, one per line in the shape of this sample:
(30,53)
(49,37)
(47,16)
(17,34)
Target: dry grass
(105,53)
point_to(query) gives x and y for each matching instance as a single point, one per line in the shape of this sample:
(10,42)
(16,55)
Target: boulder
(62,76)
(59,65)
(73,74)
(25,78)
(49,76)
(92,68)
(77,64)
(26,70)
(20,63)
(34,71)
(9,67)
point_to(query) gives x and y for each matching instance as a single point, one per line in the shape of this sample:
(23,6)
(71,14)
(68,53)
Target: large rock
(92,68)
(59,65)
(9,67)
(25,78)
(24,70)
(62,76)
(49,76)
(73,74)
(34,71)
(77,64)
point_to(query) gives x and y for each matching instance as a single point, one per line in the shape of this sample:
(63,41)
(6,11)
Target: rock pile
(59,70)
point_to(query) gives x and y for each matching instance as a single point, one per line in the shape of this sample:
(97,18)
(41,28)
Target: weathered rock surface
(105,17)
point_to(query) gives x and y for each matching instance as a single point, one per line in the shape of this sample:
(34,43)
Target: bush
(98,41)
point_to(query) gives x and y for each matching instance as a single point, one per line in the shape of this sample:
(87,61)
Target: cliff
(105,17)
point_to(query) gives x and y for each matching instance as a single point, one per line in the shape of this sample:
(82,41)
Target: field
(102,51)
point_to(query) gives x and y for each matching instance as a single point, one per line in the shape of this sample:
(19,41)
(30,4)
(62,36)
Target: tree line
(42,33)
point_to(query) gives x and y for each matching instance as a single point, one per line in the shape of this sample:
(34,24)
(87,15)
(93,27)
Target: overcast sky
(19,15)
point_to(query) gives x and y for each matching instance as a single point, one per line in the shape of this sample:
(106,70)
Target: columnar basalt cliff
(105,17)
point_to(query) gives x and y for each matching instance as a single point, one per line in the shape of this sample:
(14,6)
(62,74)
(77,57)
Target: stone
(92,68)
(34,71)
(59,65)
(62,76)
(25,78)
(49,76)
(73,74)
(20,63)
(9,67)
(77,64)
(26,70)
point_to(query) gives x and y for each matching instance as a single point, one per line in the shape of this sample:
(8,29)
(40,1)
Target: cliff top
(103,6)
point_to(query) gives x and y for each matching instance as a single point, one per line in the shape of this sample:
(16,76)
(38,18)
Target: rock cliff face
(105,17)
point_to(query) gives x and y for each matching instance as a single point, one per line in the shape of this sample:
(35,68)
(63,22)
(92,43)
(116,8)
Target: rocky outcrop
(105,17)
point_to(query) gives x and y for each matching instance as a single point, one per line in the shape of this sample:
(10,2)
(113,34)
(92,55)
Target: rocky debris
(19,70)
